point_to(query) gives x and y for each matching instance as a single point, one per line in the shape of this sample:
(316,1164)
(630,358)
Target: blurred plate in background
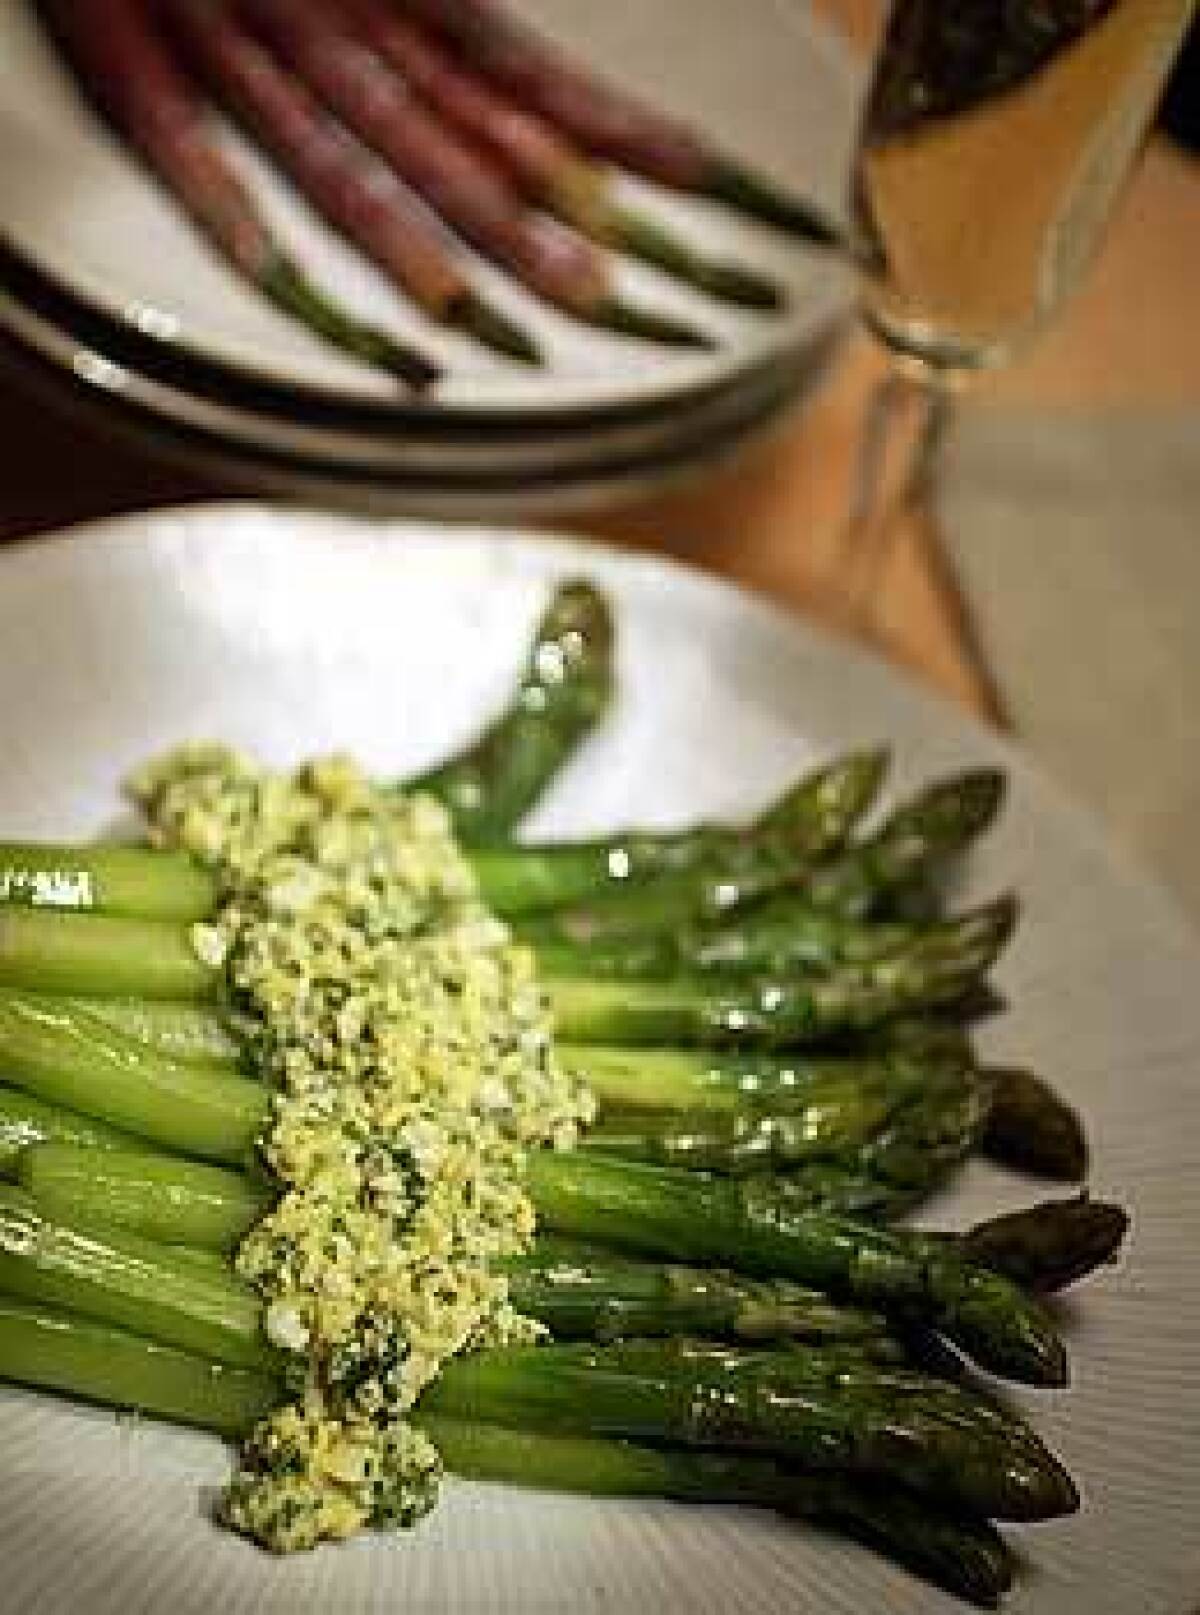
(765,79)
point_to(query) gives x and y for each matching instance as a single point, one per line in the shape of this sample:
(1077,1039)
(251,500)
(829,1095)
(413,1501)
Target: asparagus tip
(629,320)
(289,287)
(495,330)
(750,193)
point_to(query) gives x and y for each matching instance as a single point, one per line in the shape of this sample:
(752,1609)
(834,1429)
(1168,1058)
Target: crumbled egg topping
(409,1047)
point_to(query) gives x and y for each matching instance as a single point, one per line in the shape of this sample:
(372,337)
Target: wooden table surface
(1131,338)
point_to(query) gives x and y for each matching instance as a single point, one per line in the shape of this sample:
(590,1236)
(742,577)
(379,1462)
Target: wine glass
(994,142)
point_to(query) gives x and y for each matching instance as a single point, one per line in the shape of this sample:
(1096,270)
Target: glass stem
(906,419)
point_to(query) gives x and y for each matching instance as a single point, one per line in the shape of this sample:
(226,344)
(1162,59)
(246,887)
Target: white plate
(94,351)
(290,633)
(765,77)
(225,447)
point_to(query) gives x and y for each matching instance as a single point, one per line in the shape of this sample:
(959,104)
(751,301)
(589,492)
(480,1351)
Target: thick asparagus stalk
(906,1131)
(819,1409)
(1044,1247)
(748,1224)
(64,1056)
(127,67)
(56,1351)
(97,956)
(586,1292)
(25,1121)
(122,1279)
(920,835)
(164,1198)
(810,820)
(711,1011)
(564,689)
(752,1224)
(827,1409)
(965,1556)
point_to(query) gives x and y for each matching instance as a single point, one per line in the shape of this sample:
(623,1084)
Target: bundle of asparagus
(384,120)
(781,1067)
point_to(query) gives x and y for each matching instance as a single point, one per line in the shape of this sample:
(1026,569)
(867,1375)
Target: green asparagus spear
(59,1352)
(808,821)
(1031,1126)
(894,1127)
(122,1279)
(1048,1246)
(748,1224)
(820,1409)
(49,952)
(195,1033)
(966,1557)
(564,690)
(25,1121)
(106,877)
(757,1225)
(137,882)
(919,837)
(827,1408)
(156,1197)
(582,1291)
(712,1011)
(68,952)
(61,1054)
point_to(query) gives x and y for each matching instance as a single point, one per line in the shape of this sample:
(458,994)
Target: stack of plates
(104,283)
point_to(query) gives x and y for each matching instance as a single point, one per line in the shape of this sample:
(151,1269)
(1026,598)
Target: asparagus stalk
(58,1351)
(965,1556)
(1032,1126)
(346,183)
(819,1409)
(96,956)
(919,835)
(749,1224)
(810,820)
(64,1056)
(1044,1247)
(462,185)
(518,755)
(828,1409)
(903,1131)
(25,1121)
(164,1198)
(582,1291)
(79,1357)
(128,68)
(608,122)
(565,687)
(542,163)
(918,838)
(711,1011)
(755,1225)
(122,1279)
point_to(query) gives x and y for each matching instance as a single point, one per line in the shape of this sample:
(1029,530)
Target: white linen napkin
(1077,541)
